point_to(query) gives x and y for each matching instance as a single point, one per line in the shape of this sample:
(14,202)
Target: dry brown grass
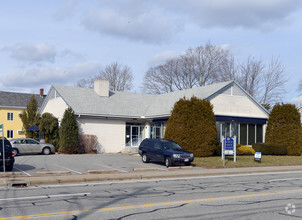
(248,161)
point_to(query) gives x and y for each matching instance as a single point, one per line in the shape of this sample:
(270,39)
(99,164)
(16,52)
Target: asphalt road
(256,196)
(29,165)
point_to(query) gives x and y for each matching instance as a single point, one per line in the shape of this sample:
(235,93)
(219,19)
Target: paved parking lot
(29,165)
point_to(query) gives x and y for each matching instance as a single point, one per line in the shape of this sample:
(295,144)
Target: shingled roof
(17,100)
(86,102)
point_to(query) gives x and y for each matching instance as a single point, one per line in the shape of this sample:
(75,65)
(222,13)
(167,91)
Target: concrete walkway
(14,180)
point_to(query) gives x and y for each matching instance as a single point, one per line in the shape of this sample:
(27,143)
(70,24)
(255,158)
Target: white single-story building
(122,120)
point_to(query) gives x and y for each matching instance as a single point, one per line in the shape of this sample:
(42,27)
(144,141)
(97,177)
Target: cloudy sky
(61,41)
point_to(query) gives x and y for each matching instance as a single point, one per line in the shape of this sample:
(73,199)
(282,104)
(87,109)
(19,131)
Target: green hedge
(270,148)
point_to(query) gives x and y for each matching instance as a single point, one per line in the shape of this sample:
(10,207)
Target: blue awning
(241,119)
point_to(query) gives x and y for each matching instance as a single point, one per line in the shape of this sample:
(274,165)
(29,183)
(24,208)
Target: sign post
(228,148)
(3,149)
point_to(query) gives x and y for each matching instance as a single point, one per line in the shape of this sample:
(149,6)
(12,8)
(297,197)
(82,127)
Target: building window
(20,132)
(259,133)
(10,116)
(243,134)
(246,133)
(218,130)
(10,134)
(158,130)
(251,134)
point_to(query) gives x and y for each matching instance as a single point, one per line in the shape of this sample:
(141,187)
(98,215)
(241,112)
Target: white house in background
(122,120)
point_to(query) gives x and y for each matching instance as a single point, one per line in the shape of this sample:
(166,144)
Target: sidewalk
(98,176)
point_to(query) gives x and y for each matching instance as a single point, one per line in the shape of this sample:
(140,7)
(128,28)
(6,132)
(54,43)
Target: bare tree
(210,64)
(250,76)
(185,77)
(273,83)
(300,86)
(85,83)
(229,70)
(120,77)
(197,67)
(263,82)
(208,61)
(160,79)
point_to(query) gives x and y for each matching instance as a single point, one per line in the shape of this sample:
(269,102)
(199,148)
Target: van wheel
(145,158)
(168,162)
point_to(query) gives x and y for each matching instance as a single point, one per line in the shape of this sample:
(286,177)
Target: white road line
(22,171)
(148,166)
(68,169)
(45,196)
(125,171)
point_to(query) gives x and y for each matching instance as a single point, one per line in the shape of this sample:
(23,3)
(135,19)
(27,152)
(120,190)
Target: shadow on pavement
(22,167)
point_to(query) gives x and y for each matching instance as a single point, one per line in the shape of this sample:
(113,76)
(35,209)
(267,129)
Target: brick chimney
(101,87)
(42,93)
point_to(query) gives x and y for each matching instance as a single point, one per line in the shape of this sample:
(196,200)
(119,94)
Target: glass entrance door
(135,131)
(134,134)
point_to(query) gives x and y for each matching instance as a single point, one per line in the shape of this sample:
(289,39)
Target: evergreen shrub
(270,148)
(192,125)
(284,127)
(49,126)
(30,117)
(69,133)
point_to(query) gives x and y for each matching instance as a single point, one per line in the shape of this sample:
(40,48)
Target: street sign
(228,148)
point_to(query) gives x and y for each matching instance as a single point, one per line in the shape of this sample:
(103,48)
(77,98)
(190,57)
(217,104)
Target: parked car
(9,155)
(166,151)
(31,146)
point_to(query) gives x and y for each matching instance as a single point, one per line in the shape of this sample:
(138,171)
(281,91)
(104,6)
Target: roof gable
(239,91)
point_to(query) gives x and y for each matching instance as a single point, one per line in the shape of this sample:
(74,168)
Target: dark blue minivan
(166,151)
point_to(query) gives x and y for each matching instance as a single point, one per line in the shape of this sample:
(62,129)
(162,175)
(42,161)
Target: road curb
(138,175)
(144,169)
(101,171)
(53,172)
(11,174)
(177,168)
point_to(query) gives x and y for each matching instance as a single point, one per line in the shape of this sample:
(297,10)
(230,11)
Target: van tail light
(13,153)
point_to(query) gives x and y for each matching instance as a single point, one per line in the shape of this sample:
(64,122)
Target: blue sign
(228,143)
(228,148)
